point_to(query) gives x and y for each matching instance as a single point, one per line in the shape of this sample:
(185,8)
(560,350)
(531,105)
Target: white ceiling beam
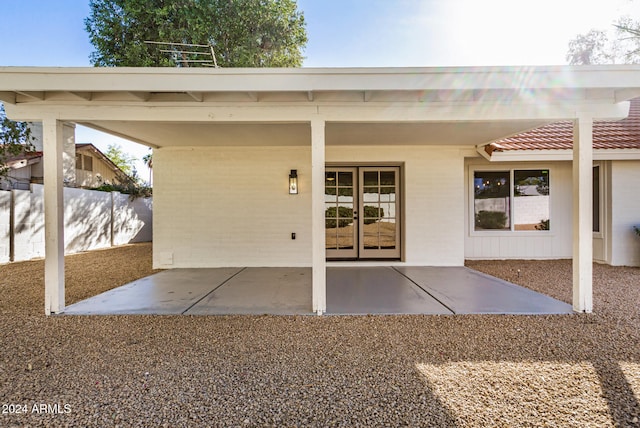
(37,95)
(85,96)
(299,112)
(197,96)
(626,94)
(142,96)
(118,134)
(8,97)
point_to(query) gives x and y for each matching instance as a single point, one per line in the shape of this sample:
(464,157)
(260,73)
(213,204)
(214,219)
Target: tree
(123,160)
(243,33)
(148,161)
(15,139)
(621,45)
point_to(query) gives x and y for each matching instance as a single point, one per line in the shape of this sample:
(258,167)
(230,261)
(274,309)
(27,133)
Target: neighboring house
(94,168)
(85,165)
(392,166)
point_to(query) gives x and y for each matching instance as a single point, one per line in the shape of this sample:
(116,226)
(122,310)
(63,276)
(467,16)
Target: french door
(362,212)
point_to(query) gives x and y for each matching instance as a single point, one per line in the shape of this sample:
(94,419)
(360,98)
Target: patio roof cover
(197,106)
(318,107)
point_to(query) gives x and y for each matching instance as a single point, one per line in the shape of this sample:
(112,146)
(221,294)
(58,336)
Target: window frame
(601,199)
(86,167)
(511,231)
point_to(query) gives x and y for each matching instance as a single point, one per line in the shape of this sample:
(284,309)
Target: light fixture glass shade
(293,182)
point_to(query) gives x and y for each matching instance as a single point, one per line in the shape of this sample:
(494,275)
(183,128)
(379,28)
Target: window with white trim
(499,205)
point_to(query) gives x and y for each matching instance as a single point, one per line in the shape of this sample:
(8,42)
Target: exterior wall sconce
(293,182)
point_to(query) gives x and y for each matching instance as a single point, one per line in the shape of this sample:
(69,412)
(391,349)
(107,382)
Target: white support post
(583,213)
(53,148)
(319,274)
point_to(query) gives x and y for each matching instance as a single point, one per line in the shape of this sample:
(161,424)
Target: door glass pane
(370,235)
(370,178)
(345,191)
(370,194)
(330,178)
(345,179)
(491,200)
(531,199)
(331,191)
(387,178)
(387,233)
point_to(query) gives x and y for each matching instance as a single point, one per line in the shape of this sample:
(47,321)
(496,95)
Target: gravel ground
(575,370)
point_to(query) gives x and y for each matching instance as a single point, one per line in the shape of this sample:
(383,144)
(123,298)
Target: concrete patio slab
(170,292)
(466,291)
(279,291)
(376,290)
(350,290)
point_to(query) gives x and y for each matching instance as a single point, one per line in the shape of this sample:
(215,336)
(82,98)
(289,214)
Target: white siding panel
(625,198)
(557,243)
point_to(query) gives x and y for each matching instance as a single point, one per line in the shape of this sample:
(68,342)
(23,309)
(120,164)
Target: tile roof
(620,134)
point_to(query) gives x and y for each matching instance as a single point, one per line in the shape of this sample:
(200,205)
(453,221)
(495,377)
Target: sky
(347,33)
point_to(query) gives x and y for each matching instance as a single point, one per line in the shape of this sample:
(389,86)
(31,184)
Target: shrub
(345,217)
(637,229)
(544,225)
(372,214)
(491,219)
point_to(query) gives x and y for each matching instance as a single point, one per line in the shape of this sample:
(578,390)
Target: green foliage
(243,33)
(544,225)
(345,217)
(491,219)
(15,139)
(372,214)
(123,160)
(131,188)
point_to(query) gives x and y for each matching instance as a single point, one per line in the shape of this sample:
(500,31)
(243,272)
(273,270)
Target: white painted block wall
(132,219)
(5,224)
(230,206)
(28,223)
(88,219)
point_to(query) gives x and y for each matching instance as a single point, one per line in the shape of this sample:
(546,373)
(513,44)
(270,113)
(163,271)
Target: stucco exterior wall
(552,244)
(230,206)
(625,213)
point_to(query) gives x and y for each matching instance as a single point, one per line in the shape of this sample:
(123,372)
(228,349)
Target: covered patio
(225,140)
(350,291)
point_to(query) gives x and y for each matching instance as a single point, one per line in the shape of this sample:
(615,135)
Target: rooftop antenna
(203,55)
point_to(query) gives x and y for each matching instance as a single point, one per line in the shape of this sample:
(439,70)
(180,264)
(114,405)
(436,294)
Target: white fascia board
(317,79)
(297,112)
(561,155)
